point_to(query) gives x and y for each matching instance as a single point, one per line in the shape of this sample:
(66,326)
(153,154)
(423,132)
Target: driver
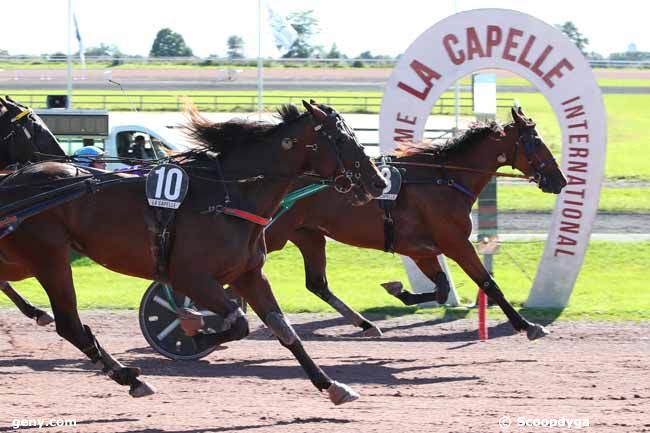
(89,156)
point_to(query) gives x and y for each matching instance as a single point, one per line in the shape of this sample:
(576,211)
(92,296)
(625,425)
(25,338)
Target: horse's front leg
(312,247)
(431,268)
(42,317)
(256,290)
(463,253)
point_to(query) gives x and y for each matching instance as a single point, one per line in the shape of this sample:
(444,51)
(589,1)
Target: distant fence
(252,62)
(238,102)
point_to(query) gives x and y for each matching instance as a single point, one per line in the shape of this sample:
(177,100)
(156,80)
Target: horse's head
(531,156)
(335,152)
(22,133)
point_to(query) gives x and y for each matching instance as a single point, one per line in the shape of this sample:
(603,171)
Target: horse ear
(517,117)
(318,114)
(313,101)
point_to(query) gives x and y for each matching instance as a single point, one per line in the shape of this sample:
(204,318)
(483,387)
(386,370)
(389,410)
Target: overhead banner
(505,39)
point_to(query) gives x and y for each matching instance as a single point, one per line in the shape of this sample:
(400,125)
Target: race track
(423,376)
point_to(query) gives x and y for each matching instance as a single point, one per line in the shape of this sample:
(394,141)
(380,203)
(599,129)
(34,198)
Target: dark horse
(24,138)
(238,176)
(431,215)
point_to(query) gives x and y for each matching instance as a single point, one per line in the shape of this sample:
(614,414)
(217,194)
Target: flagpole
(69,104)
(260,79)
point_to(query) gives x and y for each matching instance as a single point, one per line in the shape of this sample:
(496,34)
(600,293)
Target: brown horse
(24,137)
(431,215)
(238,177)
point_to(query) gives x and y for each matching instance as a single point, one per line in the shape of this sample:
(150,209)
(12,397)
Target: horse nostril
(379,184)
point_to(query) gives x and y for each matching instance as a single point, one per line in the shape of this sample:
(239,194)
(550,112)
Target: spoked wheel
(161,325)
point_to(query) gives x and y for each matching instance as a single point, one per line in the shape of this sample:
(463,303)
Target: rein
(459,168)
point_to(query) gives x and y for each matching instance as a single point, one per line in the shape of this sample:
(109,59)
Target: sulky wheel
(161,324)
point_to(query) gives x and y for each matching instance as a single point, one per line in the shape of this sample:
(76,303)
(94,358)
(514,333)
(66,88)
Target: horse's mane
(220,137)
(477,132)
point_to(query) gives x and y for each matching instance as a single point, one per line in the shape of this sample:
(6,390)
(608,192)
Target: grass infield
(611,286)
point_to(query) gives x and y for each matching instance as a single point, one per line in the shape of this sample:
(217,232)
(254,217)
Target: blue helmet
(87,154)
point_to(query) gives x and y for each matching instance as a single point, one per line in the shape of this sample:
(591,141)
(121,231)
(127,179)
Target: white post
(260,65)
(69,104)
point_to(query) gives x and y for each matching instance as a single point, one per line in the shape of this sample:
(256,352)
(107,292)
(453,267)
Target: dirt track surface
(423,376)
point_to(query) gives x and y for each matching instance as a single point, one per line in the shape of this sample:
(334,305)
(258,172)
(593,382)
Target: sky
(382,27)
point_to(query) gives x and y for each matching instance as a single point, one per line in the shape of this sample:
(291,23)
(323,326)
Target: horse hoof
(44,319)
(341,393)
(372,332)
(536,331)
(141,390)
(393,287)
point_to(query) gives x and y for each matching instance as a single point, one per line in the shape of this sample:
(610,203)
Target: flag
(283,32)
(82,54)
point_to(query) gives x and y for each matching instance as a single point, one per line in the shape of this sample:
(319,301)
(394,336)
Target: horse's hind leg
(256,290)
(431,268)
(312,247)
(56,278)
(42,317)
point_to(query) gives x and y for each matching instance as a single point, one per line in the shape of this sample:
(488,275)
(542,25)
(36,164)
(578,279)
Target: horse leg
(42,317)
(56,279)
(312,247)
(202,288)
(431,268)
(463,253)
(256,290)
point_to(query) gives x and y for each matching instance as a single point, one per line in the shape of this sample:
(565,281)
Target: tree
(103,50)
(169,44)
(571,31)
(306,26)
(235,47)
(334,53)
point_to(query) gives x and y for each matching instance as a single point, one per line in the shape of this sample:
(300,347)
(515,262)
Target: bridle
(336,132)
(530,141)
(15,126)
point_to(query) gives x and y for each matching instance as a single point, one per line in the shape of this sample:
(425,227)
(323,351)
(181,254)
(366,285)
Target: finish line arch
(506,39)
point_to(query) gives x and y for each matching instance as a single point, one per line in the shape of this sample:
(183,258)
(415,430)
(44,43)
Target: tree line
(169,43)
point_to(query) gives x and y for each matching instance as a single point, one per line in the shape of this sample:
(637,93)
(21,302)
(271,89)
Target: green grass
(530,198)
(612,284)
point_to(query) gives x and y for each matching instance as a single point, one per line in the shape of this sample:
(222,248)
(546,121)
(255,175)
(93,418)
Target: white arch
(498,38)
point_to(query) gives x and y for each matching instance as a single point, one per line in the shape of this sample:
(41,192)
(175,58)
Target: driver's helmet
(86,155)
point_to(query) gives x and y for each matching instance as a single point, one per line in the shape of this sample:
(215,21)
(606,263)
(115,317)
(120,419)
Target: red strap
(246,216)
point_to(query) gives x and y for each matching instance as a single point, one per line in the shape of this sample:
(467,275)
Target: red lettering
(575,111)
(403,134)
(473,44)
(426,74)
(559,251)
(579,125)
(456,58)
(406,119)
(575,180)
(568,101)
(510,44)
(563,240)
(571,213)
(556,71)
(579,138)
(571,227)
(578,152)
(577,166)
(493,39)
(542,57)
(581,193)
(522,57)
